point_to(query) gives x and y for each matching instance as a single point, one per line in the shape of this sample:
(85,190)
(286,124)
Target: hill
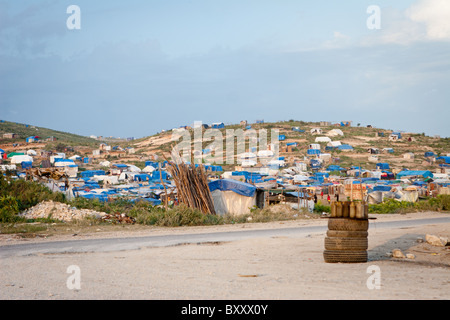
(24,130)
(369,144)
(294,147)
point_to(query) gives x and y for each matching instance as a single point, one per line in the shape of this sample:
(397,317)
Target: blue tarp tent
(156,175)
(91,173)
(154,164)
(383,165)
(249,176)
(213,168)
(142,177)
(382,188)
(335,167)
(294,144)
(429,154)
(345,147)
(446,159)
(398,134)
(313,151)
(218,125)
(242,188)
(26,164)
(281,137)
(410,173)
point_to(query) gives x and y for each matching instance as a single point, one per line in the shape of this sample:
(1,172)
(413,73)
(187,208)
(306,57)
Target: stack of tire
(346,240)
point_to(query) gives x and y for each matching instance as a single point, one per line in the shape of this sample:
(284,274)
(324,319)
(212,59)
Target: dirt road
(273,266)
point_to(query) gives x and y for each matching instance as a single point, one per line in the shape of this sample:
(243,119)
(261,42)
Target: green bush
(9,208)
(440,203)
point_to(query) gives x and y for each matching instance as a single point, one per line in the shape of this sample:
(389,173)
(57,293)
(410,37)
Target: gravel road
(271,261)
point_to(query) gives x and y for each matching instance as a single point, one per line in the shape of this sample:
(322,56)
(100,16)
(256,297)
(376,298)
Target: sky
(137,67)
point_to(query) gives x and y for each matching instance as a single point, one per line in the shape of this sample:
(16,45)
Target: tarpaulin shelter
(414,173)
(446,159)
(383,165)
(218,125)
(345,147)
(232,196)
(313,151)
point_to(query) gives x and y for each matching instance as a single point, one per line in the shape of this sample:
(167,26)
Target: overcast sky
(137,67)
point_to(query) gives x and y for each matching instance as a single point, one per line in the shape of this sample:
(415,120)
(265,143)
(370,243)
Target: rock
(397,253)
(436,241)
(410,256)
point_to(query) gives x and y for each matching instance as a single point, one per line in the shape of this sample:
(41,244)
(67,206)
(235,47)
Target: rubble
(436,241)
(59,211)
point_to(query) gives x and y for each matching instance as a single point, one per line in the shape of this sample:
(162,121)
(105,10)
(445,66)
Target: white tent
(247,156)
(316,131)
(248,163)
(314,146)
(149,169)
(133,168)
(21,158)
(105,164)
(31,152)
(335,132)
(334,143)
(299,178)
(323,139)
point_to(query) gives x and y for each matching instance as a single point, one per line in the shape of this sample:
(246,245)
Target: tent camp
(232,196)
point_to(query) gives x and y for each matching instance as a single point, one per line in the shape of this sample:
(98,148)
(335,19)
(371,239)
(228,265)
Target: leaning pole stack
(347,235)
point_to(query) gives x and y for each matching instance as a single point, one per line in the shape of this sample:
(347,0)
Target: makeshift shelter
(445,159)
(345,147)
(323,139)
(18,159)
(31,152)
(335,132)
(32,139)
(232,196)
(316,131)
(313,151)
(382,165)
(218,125)
(334,144)
(415,173)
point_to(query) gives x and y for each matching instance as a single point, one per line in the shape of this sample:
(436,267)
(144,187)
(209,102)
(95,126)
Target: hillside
(360,138)
(153,147)
(25,130)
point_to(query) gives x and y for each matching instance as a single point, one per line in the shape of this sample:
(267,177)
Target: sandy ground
(287,268)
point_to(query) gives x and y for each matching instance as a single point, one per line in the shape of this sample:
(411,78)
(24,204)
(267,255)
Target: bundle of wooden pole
(192,186)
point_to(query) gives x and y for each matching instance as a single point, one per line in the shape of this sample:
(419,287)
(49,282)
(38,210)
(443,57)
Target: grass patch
(440,203)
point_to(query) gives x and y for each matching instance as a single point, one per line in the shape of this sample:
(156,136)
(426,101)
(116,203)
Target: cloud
(435,15)
(424,20)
